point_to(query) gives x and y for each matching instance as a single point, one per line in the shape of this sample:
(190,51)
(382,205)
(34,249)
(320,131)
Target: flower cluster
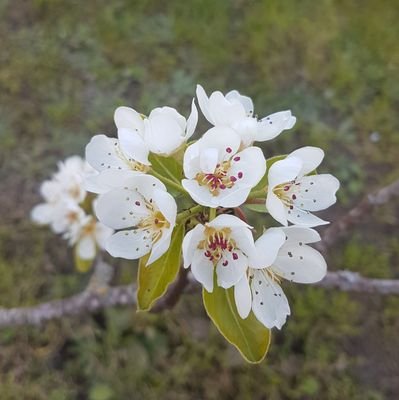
(150,168)
(161,196)
(68,208)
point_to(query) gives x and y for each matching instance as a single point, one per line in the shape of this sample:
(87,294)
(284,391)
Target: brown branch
(342,225)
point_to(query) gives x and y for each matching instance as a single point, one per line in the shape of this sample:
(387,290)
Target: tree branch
(99,295)
(341,226)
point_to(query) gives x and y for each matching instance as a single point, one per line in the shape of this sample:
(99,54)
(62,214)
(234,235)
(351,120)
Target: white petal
(272,125)
(203,102)
(243,297)
(235,97)
(276,208)
(51,190)
(301,264)
(223,112)
(103,152)
(160,247)
(225,139)
(127,118)
(102,233)
(86,248)
(316,192)
(269,304)
(311,158)
(244,240)
(233,197)
(226,220)
(133,146)
(301,217)
(284,171)
(231,268)
(202,269)
(129,244)
(299,234)
(252,165)
(42,213)
(163,134)
(191,161)
(121,208)
(200,194)
(144,184)
(107,180)
(190,243)
(267,247)
(166,204)
(192,121)
(209,160)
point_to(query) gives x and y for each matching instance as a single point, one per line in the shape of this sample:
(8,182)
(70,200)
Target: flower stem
(168,182)
(188,213)
(212,213)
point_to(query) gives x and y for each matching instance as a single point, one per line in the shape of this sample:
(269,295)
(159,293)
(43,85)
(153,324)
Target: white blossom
(166,130)
(281,253)
(144,215)
(222,244)
(292,195)
(237,111)
(217,173)
(88,235)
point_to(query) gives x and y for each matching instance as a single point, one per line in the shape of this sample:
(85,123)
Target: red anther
(293,197)
(236,158)
(286,188)
(228,149)
(235,256)
(222,186)
(233,178)
(137,203)
(240,174)
(224,263)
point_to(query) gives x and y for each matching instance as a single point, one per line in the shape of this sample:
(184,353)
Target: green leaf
(154,279)
(168,167)
(260,208)
(248,335)
(81,264)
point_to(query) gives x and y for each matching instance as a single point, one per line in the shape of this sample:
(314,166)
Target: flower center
(220,178)
(154,223)
(216,242)
(132,164)
(286,192)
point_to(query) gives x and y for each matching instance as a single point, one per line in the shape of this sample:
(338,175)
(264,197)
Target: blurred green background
(66,65)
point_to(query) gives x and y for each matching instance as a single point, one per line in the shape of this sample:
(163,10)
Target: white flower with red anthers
(217,173)
(281,253)
(292,195)
(237,111)
(222,244)
(144,215)
(166,130)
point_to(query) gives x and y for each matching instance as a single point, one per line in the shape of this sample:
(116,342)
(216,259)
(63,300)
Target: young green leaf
(168,167)
(248,335)
(154,279)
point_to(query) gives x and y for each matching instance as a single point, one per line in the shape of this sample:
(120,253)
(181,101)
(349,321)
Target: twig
(348,281)
(99,296)
(341,226)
